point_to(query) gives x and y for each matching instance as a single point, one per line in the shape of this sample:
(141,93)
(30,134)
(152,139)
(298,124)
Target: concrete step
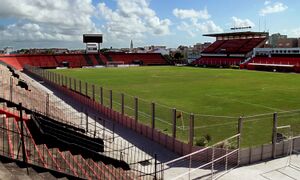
(88,168)
(17,172)
(5,173)
(62,161)
(48,176)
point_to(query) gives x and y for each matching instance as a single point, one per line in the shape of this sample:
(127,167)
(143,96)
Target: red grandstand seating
(251,44)
(212,48)
(146,58)
(218,61)
(234,46)
(285,64)
(75,60)
(13,61)
(79,60)
(276,60)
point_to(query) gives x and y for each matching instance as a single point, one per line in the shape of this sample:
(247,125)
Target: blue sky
(60,23)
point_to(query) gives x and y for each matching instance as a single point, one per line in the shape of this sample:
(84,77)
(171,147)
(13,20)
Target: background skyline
(61,23)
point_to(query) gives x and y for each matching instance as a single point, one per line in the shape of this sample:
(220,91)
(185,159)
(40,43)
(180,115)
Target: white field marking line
(215,125)
(216,116)
(246,119)
(258,105)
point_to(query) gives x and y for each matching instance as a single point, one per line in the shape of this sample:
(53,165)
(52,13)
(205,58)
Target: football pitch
(217,97)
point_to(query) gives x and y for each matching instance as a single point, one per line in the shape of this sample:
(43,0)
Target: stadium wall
(264,152)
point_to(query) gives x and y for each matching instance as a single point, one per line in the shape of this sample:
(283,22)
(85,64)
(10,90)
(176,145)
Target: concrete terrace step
(61,161)
(21,173)
(5,173)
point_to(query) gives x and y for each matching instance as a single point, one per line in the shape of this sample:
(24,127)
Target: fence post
(75,84)
(48,75)
(191,132)
(153,117)
(58,79)
(55,77)
(122,104)
(110,99)
(22,137)
(174,126)
(274,135)
(10,89)
(62,80)
(101,95)
(136,110)
(66,81)
(86,89)
(80,89)
(93,92)
(70,83)
(87,121)
(47,104)
(240,128)
(212,160)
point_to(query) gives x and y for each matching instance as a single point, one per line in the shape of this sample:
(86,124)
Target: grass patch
(217,92)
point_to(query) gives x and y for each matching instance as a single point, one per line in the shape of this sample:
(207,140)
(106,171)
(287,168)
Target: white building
(8,50)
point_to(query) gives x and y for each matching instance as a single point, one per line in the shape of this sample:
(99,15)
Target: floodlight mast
(240,28)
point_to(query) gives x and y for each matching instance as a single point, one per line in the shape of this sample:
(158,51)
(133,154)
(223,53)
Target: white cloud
(196,27)
(295,32)
(191,13)
(273,8)
(195,22)
(132,19)
(237,22)
(267,2)
(47,20)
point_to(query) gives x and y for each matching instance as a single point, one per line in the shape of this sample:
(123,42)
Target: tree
(178,56)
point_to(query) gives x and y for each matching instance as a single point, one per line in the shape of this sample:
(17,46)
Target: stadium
(93,115)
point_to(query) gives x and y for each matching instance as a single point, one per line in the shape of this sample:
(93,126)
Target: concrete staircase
(63,163)
(13,171)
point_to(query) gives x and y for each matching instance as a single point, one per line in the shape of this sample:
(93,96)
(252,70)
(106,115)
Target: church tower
(131,46)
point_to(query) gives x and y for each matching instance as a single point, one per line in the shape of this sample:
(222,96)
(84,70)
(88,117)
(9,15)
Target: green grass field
(217,92)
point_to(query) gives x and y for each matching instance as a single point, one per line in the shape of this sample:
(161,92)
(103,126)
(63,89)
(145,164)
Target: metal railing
(212,161)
